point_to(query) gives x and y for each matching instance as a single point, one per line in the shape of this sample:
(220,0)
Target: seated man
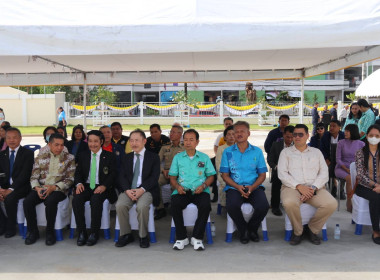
(220,141)
(191,174)
(52,175)
(156,139)
(275,135)
(138,183)
(244,169)
(117,135)
(273,157)
(16,162)
(94,181)
(166,155)
(303,173)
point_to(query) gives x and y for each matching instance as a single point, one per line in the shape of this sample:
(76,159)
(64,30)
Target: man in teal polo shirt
(191,173)
(244,169)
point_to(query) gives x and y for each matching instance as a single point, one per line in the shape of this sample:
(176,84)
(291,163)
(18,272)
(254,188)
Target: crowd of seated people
(105,164)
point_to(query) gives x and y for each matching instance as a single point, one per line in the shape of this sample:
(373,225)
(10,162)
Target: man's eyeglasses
(300,134)
(320,128)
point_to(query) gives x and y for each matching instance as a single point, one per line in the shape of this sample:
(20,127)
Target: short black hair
(9,128)
(354,131)
(5,123)
(96,133)
(335,103)
(227,129)
(179,127)
(363,103)
(104,126)
(316,103)
(284,116)
(337,122)
(246,124)
(115,124)
(49,128)
(80,127)
(139,131)
(301,125)
(191,130)
(5,127)
(321,124)
(289,128)
(155,125)
(56,136)
(228,119)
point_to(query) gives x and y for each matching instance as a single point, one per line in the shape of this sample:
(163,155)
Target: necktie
(11,162)
(93,172)
(136,172)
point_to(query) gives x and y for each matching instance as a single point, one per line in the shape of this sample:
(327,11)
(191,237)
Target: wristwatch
(315,189)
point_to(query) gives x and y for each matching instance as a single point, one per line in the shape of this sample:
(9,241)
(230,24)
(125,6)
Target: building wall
(13,110)
(41,112)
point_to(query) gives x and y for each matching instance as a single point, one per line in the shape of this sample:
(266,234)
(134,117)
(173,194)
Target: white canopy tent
(74,42)
(370,87)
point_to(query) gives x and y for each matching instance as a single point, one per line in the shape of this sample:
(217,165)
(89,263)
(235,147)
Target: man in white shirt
(304,173)
(343,114)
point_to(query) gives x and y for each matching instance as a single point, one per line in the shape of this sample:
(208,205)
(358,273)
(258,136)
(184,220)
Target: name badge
(201,164)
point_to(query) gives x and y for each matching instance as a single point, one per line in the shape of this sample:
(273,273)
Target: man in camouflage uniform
(166,155)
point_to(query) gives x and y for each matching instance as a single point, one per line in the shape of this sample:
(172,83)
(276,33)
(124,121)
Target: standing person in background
(62,119)
(367,119)
(354,115)
(276,134)
(315,117)
(334,112)
(218,141)
(343,114)
(117,135)
(326,117)
(374,109)
(156,139)
(2,116)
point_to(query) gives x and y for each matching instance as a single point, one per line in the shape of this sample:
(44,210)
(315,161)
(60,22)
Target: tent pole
(84,102)
(302,97)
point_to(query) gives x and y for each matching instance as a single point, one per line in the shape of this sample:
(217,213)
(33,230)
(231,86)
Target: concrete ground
(351,257)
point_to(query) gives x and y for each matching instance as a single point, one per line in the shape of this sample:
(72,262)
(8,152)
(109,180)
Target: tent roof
(146,41)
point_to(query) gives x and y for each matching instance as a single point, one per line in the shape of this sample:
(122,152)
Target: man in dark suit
(16,162)
(272,160)
(94,180)
(138,183)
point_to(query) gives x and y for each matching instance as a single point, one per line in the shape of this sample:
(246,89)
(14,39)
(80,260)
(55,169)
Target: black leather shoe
(82,238)
(93,239)
(50,239)
(295,239)
(10,233)
(244,237)
(31,237)
(144,242)
(124,240)
(160,214)
(277,211)
(2,230)
(376,240)
(314,238)
(254,236)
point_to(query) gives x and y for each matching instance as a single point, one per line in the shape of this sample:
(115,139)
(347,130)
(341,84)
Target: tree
(102,94)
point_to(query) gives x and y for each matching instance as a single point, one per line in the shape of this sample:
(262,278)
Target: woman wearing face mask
(354,115)
(47,132)
(345,154)
(368,170)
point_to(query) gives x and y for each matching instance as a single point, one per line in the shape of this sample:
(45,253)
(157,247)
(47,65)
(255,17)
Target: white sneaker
(198,244)
(180,244)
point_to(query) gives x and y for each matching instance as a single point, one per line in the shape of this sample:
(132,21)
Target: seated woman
(315,141)
(368,177)
(49,130)
(94,180)
(3,144)
(345,154)
(109,146)
(77,144)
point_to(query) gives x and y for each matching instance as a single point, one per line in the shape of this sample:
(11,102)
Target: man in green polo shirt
(191,173)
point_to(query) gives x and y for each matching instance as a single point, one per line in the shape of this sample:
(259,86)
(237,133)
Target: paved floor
(351,257)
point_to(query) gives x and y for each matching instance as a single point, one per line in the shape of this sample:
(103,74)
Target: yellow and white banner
(240,110)
(161,107)
(126,109)
(282,108)
(81,108)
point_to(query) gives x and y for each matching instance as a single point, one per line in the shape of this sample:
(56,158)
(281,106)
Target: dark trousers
(259,202)
(96,202)
(180,202)
(374,204)
(11,204)
(60,123)
(51,203)
(275,191)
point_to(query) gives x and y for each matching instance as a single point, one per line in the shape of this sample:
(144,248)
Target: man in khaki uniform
(166,155)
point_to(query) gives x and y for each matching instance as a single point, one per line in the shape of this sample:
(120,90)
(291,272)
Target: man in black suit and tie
(94,181)
(16,162)
(272,160)
(138,182)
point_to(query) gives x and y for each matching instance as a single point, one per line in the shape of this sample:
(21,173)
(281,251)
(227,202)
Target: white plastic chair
(105,222)
(247,211)
(62,219)
(190,215)
(307,212)
(360,206)
(135,224)
(20,215)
